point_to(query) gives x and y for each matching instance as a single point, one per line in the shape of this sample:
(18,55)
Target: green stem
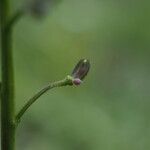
(65,82)
(0,87)
(7,91)
(14,18)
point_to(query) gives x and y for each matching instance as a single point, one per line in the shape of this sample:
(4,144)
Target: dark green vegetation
(110,111)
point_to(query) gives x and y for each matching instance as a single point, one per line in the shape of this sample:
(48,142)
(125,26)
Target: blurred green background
(110,110)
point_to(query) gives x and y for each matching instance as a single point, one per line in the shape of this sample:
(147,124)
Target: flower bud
(76,81)
(81,70)
(39,8)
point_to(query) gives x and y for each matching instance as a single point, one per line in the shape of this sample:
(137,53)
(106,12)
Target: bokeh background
(110,110)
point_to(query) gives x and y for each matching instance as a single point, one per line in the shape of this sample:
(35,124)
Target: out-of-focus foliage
(110,111)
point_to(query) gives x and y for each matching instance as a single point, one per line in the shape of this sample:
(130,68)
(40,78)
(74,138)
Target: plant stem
(7,91)
(0,87)
(66,81)
(18,14)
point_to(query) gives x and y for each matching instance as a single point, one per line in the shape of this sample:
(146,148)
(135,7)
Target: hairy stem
(66,81)
(7,89)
